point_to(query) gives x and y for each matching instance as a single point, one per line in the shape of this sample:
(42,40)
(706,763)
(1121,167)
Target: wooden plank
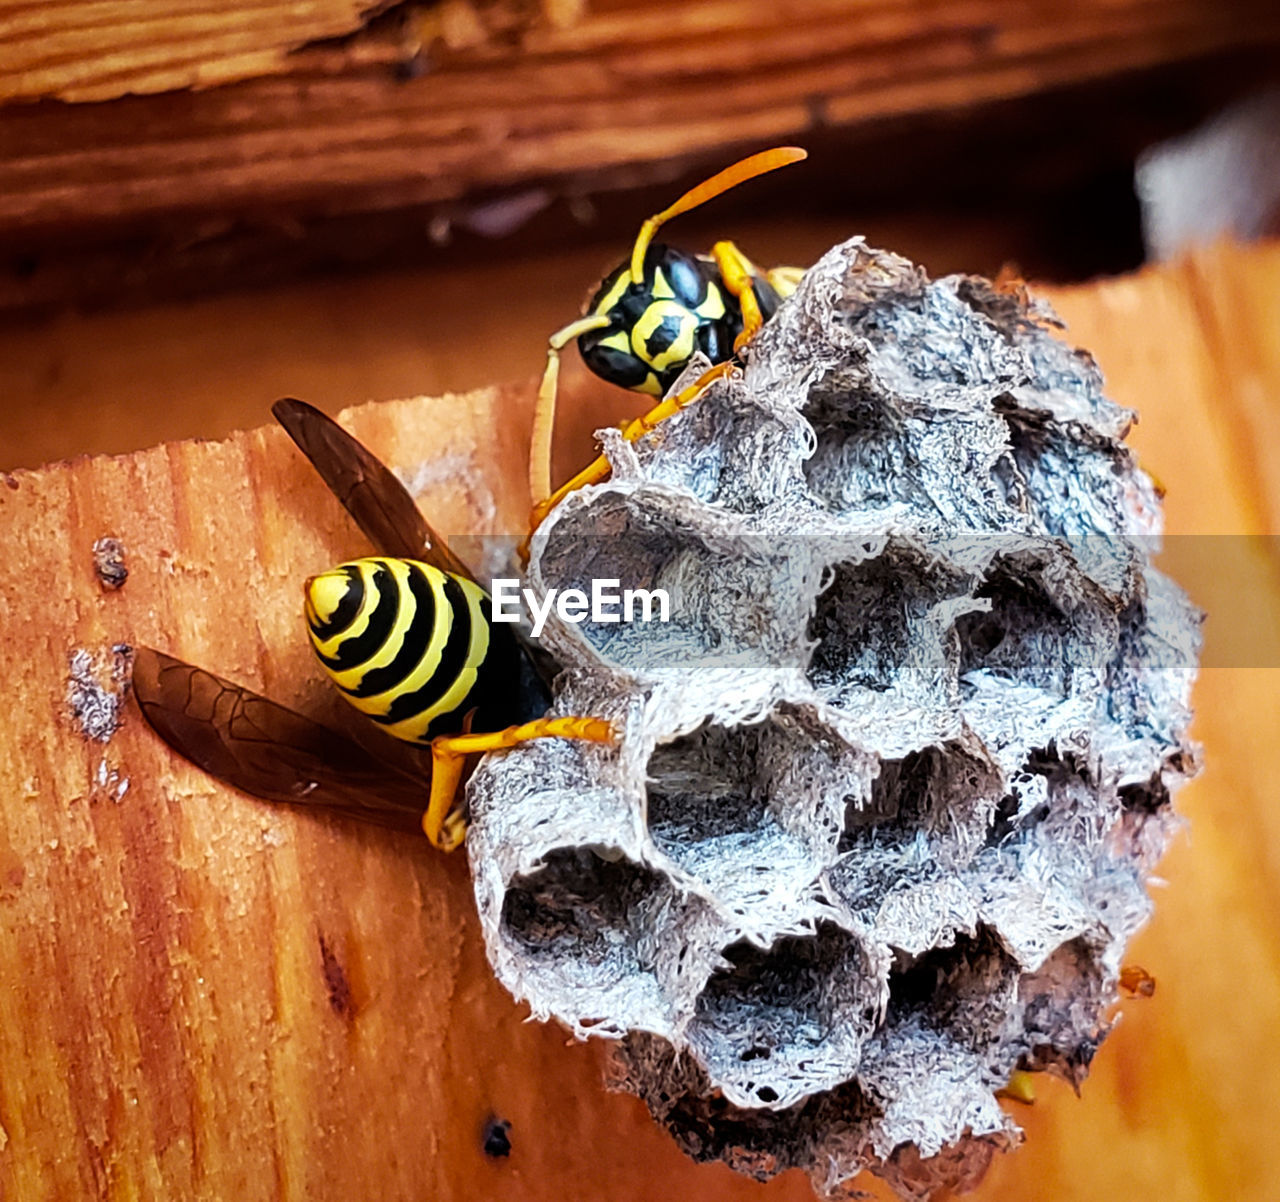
(627,92)
(101,49)
(168,1021)
(1182,1103)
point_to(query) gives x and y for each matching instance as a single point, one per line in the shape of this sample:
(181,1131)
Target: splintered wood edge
(68,53)
(608,98)
(71,54)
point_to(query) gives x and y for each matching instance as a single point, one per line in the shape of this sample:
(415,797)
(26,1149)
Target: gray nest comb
(892,778)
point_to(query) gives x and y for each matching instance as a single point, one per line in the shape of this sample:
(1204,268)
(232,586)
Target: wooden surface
(423,113)
(1183,1102)
(169,1021)
(90,50)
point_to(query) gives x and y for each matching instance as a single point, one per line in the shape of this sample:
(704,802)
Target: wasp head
(657,324)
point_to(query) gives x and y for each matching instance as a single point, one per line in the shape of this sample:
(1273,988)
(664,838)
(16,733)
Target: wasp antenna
(544,413)
(722,181)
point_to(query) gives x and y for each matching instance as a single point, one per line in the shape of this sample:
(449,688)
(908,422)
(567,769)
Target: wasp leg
(1021,1087)
(598,470)
(443,823)
(784,280)
(736,272)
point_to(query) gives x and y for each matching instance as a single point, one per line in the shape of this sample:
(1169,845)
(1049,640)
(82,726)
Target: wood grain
(626,92)
(205,998)
(101,49)
(1183,1102)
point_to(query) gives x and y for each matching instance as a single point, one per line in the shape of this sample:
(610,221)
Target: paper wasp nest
(892,777)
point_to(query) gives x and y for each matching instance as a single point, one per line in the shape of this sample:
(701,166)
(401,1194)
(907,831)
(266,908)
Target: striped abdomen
(412,646)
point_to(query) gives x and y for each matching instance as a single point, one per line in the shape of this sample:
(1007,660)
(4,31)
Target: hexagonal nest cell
(733,806)
(891,781)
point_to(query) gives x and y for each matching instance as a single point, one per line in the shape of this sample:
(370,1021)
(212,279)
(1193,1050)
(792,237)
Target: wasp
(653,313)
(407,638)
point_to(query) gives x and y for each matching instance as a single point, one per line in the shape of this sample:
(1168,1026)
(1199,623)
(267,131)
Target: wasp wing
(268,750)
(367,488)
(381,506)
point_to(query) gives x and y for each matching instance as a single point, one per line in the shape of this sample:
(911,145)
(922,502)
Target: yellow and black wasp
(653,313)
(407,638)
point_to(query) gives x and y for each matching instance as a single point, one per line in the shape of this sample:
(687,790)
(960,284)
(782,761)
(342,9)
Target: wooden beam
(207,997)
(626,93)
(102,49)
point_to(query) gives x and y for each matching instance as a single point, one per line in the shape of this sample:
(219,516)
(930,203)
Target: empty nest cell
(691,599)
(875,625)
(749,810)
(733,457)
(582,908)
(964,990)
(947,793)
(1025,637)
(1047,462)
(864,452)
(1062,1006)
(758,1141)
(778,1024)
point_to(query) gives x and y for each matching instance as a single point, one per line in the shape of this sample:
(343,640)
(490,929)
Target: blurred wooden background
(348,137)
(204,209)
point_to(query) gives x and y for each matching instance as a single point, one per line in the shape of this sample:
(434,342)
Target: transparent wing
(269,750)
(367,488)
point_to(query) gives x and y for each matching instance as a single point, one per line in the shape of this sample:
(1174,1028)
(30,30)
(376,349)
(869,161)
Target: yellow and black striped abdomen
(412,646)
